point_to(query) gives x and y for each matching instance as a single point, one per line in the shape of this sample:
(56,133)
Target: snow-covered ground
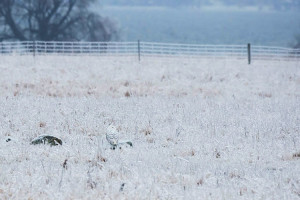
(201,129)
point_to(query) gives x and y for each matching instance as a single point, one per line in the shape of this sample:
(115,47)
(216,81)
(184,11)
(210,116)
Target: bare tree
(49,20)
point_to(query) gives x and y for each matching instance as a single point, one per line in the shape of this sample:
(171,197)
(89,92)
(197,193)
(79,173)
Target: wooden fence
(147,49)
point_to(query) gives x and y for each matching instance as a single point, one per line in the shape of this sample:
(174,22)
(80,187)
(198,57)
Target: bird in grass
(112,136)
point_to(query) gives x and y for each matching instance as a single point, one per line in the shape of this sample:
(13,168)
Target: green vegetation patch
(47,139)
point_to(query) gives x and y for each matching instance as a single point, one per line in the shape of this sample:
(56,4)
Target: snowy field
(201,129)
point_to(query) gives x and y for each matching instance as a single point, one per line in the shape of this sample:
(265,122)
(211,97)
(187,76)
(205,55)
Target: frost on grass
(208,129)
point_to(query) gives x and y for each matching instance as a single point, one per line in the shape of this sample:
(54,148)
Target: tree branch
(52,20)
(7,13)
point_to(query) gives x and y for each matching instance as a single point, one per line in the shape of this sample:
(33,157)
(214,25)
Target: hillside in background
(205,26)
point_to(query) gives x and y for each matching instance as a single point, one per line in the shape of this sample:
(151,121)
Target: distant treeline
(273,4)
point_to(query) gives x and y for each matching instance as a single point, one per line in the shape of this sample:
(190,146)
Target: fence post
(33,48)
(139,50)
(249,53)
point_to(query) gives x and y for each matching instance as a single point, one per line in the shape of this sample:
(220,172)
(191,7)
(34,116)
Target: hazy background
(260,22)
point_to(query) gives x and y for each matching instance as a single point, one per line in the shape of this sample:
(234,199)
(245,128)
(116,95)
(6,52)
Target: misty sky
(271,4)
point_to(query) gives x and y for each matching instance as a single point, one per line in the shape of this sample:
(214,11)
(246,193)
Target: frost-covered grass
(201,129)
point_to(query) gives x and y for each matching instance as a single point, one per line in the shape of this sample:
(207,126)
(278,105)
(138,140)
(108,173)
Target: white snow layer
(200,128)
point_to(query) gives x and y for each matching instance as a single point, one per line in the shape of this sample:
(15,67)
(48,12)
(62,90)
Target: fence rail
(148,49)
